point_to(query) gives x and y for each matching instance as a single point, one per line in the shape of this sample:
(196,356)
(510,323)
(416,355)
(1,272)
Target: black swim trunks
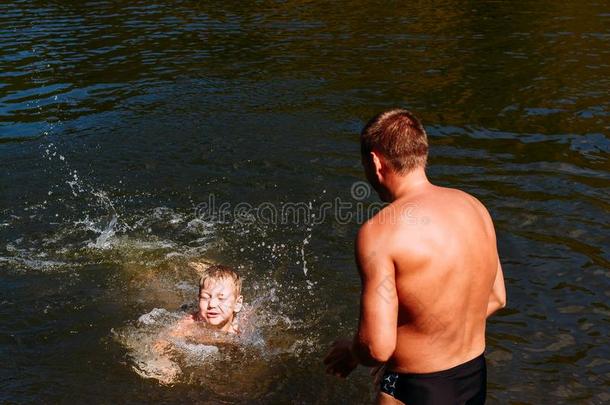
(462,384)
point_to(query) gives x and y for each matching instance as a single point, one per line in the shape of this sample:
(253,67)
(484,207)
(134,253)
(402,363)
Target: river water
(137,136)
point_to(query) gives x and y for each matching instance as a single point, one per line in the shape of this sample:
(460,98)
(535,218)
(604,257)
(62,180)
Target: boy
(214,323)
(220,299)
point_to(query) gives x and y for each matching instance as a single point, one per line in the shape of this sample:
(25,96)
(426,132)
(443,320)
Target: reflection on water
(120,118)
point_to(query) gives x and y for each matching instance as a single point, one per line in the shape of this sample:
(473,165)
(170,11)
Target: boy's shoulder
(181,327)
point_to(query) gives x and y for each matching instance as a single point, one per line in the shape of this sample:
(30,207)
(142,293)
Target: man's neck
(404,185)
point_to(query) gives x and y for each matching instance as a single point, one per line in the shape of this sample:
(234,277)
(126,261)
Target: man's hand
(340,360)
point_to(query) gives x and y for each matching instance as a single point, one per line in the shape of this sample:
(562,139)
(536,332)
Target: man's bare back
(443,247)
(430,276)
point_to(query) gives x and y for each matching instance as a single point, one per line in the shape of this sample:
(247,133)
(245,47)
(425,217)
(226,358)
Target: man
(430,276)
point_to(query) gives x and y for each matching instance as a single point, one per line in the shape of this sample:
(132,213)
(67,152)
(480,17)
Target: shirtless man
(430,277)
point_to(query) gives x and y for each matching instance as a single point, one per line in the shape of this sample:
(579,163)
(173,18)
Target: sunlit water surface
(120,119)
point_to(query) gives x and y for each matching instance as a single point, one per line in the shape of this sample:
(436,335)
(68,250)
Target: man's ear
(239,303)
(378,165)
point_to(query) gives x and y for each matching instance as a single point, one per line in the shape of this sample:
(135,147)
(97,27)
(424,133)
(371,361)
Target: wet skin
(430,277)
(218,304)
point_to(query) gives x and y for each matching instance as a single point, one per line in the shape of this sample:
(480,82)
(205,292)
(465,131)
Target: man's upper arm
(379,301)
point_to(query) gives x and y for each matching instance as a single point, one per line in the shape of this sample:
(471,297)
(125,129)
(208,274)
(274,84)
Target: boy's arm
(179,328)
(497,298)
(162,344)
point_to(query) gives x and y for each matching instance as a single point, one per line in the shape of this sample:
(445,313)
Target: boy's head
(219,296)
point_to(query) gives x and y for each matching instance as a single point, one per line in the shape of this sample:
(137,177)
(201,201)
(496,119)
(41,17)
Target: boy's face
(218,302)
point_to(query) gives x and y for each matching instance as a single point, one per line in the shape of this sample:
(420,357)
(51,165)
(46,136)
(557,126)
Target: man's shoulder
(379,227)
(390,216)
(456,193)
(398,227)
(457,214)
(453,199)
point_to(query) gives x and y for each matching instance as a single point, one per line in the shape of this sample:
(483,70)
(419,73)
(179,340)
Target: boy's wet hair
(219,271)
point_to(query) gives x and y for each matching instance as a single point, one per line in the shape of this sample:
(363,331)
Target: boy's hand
(340,360)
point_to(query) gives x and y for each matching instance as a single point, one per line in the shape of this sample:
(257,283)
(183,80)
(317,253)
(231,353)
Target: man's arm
(375,339)
(497,298)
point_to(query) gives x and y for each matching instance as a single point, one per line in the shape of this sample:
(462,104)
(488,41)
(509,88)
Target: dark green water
(118,119)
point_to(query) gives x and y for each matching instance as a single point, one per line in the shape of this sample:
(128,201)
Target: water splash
(103,241)
(267,337)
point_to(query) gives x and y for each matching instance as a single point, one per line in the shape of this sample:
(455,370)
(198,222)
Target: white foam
(153,316)
(196,351)
(32,263)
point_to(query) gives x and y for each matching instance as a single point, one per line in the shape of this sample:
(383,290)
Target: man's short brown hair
(399,136)
(219,271)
